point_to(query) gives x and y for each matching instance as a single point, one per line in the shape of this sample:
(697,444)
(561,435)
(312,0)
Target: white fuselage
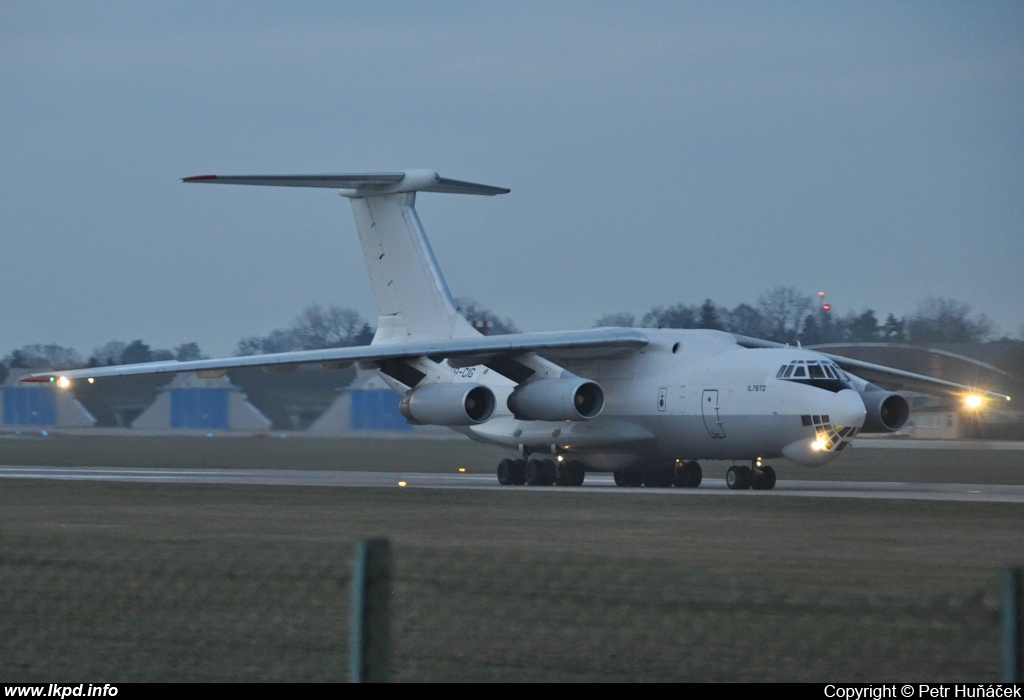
(690,394)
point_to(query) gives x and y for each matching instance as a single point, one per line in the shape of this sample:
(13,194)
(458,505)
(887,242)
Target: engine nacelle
(886,412)
(557,399)
(448,404)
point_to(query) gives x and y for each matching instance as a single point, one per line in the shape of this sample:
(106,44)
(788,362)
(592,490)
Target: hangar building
(191,403)
(368,406)
(40,405)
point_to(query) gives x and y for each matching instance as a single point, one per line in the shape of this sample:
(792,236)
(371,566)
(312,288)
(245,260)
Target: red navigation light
(826,307)
(821,294)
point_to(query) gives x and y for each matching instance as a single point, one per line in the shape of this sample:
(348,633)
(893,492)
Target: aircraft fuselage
(692,395)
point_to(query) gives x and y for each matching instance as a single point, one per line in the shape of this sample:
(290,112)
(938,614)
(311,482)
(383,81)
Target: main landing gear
(741,477)
(540,472)
(687,475)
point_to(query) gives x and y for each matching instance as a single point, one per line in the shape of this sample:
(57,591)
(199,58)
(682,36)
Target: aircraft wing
(590,344)
(886,376)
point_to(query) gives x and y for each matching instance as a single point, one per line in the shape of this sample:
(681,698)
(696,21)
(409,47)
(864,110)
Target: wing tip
(38,378)
(198,178)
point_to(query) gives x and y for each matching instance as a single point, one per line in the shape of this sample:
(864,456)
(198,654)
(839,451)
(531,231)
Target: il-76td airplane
(645,404)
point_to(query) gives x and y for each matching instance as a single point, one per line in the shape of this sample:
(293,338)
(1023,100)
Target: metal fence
(201,611)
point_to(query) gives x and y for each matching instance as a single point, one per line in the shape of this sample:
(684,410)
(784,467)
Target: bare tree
(188,351)
(617,320)
(315,328)
(484,319)
(784,309)
(332,327)
(675,316)
(50,356)
(109,354)
(940,320)
(746,320)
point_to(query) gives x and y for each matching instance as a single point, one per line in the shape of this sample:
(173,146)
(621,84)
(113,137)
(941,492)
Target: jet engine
(448,404)
(557,399)
(886,412)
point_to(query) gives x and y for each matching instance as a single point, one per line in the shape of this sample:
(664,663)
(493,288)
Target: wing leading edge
(587,343)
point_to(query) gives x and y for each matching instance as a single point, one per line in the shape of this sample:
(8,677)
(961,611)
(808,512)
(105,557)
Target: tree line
(317,327)
(786,315)
(782,314)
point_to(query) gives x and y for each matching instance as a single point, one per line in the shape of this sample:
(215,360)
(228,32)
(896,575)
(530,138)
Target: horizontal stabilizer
(359,184)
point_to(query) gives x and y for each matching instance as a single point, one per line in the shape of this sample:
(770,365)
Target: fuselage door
(712,419)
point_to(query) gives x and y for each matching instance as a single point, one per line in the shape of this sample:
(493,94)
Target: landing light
(560,458)
(91,380)
(818,445)
(64,382)
(462,469)
(972,401)
(401,483)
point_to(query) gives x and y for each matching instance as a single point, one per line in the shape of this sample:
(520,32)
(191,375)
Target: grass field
(188,582)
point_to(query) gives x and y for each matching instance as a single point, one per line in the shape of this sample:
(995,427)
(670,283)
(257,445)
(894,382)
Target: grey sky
(657,153)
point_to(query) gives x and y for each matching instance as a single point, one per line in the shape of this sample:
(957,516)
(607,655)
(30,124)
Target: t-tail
(413,301)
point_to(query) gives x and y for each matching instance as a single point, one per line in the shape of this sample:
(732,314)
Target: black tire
(505,472)
(737,478)
(695,475)
(518,472)
(580,473)
(749,474)
(549,470)
(628,478)
(758,480)
(769,478)
(535,473)
(658,478)
(570,474)
(680,475)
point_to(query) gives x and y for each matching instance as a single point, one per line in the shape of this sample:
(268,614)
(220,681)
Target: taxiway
(596,483)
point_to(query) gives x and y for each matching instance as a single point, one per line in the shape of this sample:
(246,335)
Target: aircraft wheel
(757,480)
(738,478)
(505,472)
(688,475)
(769,478)
(550,471)
(629,479)
(570,474)
(659,478)
(518,472)
(580,474)
(696,475)
(536,472)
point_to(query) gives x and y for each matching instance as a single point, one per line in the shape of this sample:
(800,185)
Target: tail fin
(412,297)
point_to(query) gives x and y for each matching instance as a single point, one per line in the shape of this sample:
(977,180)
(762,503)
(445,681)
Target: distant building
(933,418)
(191,403)
(370,407)
(38,405)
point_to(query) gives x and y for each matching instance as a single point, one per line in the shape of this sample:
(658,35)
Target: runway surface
(595,483)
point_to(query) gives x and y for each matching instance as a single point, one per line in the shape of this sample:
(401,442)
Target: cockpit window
(819,373)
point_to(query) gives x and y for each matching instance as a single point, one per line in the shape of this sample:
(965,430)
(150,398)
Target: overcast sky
(657,153)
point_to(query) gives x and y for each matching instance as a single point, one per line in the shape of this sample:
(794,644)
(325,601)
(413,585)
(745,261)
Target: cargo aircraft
(645,404)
